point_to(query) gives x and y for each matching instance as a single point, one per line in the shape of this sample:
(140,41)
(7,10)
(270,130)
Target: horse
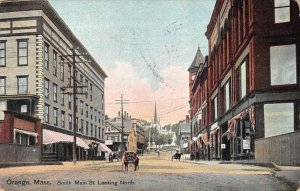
(177,156)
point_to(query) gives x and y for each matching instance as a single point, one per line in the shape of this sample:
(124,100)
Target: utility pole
(122,102)
(74,87)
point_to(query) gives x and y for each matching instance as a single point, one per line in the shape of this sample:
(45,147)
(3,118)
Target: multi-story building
(253,76)
(36,77)
(133,132)
(184,135)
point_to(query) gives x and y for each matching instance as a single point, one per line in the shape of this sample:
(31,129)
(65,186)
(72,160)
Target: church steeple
(155,121)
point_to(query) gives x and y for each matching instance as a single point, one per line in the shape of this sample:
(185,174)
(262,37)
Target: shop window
(283,64)
(24,139)
(278,118)
(282,11)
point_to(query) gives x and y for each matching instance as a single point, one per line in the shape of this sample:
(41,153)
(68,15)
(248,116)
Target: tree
(169,138)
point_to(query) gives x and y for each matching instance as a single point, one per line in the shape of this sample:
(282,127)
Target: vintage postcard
(150,95)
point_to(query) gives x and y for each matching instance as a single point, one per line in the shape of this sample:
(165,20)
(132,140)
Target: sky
(145,47)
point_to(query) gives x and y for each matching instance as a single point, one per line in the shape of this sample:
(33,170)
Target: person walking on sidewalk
(158,153)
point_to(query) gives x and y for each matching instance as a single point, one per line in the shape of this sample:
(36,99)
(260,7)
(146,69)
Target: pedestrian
(158,153)
(136,162)
(126,161)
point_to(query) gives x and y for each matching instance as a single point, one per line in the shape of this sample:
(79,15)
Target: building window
(22,84)
(46,88)
(46,55)
(55,121)
(87,128)
(46,113)
(95,114)
(86,110)
(283,64)
(81,82)
(70,122)
(278,119)
(69,74)
(102,100)
(103,133)
(99,117)
(227,96)
(76,125)
(242,79)
(81,107)
(2,53)
(54,63)
(215,101)
(282,11)
(95,131)
(62,119)
(24,108)
(62,97)
(92,131)
(70,101)
(2,85)
(22,52)
(81,126)
(86,88)
(99,131)
(24,139)
(91,113)
(91,92)
(54,92)
(62,69)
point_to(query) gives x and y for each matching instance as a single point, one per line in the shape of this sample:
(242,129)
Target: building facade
(253,76)
(36,77)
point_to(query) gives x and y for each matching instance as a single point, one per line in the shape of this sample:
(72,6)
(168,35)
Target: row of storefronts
(247,89)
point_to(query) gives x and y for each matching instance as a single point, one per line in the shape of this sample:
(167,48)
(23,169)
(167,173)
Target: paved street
(154,174)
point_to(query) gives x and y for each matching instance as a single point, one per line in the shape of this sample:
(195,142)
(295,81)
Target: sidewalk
(289,174)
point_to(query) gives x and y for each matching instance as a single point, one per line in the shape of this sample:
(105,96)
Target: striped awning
(50,137)
(34,134)
(102,147)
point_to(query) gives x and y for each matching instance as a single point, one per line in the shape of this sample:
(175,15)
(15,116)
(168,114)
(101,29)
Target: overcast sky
(145,47)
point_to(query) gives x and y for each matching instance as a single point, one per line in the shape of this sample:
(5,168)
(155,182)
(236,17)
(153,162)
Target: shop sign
(246,143)
(108,142)
(223,146)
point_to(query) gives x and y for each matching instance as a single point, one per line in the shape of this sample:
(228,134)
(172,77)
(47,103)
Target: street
(155,173)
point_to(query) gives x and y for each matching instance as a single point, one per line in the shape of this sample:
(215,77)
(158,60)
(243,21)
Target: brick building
(36,71)
(253,76)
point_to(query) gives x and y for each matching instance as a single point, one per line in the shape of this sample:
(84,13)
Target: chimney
(119,114)
(187,118)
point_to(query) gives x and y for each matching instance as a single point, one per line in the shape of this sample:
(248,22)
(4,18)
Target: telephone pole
(122,102)
(74,92)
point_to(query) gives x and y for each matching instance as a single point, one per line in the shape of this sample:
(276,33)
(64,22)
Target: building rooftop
(198,60)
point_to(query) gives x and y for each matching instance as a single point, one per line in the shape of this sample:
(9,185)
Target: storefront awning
(102,147)
(50,137)
(26,132)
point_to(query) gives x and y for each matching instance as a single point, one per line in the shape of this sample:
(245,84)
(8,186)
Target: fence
(19,153)
(282,149)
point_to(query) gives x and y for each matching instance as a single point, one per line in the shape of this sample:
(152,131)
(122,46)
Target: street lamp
(93,147)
